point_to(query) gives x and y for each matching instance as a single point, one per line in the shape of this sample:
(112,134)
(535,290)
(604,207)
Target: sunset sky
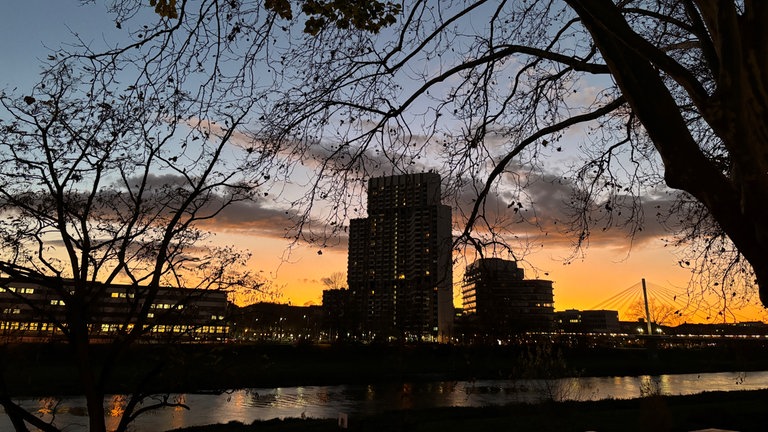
(609,265)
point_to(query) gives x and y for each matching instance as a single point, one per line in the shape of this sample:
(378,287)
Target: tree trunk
(92,388)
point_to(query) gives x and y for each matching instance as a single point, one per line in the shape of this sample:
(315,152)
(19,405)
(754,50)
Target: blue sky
(30,28)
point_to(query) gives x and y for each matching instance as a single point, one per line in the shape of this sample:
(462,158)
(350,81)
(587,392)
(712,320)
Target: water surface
(329,401)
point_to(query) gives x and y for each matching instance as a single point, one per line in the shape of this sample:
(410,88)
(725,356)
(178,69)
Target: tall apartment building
(399,266)
(499,301)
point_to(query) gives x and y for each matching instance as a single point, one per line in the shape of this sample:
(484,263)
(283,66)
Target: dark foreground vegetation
(737,411)
(47,369)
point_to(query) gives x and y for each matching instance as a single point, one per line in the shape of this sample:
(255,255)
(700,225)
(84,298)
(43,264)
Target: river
(329,401)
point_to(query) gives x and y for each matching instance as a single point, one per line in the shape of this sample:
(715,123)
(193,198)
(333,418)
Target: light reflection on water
(328,401)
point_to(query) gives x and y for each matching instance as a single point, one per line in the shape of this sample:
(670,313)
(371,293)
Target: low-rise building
(275,322)
(587,321)
(30,311)
(499,302)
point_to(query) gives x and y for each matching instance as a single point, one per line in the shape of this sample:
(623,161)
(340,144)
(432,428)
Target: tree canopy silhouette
(650,101)
(98,189)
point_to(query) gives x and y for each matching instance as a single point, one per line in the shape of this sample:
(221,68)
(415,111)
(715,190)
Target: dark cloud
(253,217)
(543,207)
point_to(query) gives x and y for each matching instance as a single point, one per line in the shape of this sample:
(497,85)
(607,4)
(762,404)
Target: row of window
(111,328)
(57,302)
(26,326)
(171,328)
(167,306)
(19,290)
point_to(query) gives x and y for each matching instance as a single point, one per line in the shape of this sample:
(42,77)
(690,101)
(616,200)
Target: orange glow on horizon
(582,284)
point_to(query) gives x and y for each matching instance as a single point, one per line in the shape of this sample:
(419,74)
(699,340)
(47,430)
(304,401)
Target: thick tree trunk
(761,276)
(95,405)
(92,389)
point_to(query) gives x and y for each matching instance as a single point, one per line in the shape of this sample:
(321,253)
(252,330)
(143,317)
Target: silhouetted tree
(111,167)
(336,280)
(667,90)
(661,313)
(98,186)
(666,94)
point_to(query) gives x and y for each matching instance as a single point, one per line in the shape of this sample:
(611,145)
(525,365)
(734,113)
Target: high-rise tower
(399,268)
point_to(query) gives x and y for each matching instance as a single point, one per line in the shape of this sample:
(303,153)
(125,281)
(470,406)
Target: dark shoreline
(743,411)
(35,370)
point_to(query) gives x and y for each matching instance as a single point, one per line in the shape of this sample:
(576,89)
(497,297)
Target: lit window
(21,290)
(57,302)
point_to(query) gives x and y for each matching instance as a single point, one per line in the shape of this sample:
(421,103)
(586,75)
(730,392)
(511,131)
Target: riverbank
(742,411)
(34,370)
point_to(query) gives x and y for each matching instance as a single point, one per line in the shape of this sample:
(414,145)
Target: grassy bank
(738,411)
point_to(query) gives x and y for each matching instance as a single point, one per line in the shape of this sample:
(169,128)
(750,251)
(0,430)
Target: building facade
(34,312)
(499,302)
(340,320)
(399,269)
(276,323)
(588,321)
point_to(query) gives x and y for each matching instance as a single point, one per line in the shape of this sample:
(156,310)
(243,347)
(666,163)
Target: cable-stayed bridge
(670,306)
